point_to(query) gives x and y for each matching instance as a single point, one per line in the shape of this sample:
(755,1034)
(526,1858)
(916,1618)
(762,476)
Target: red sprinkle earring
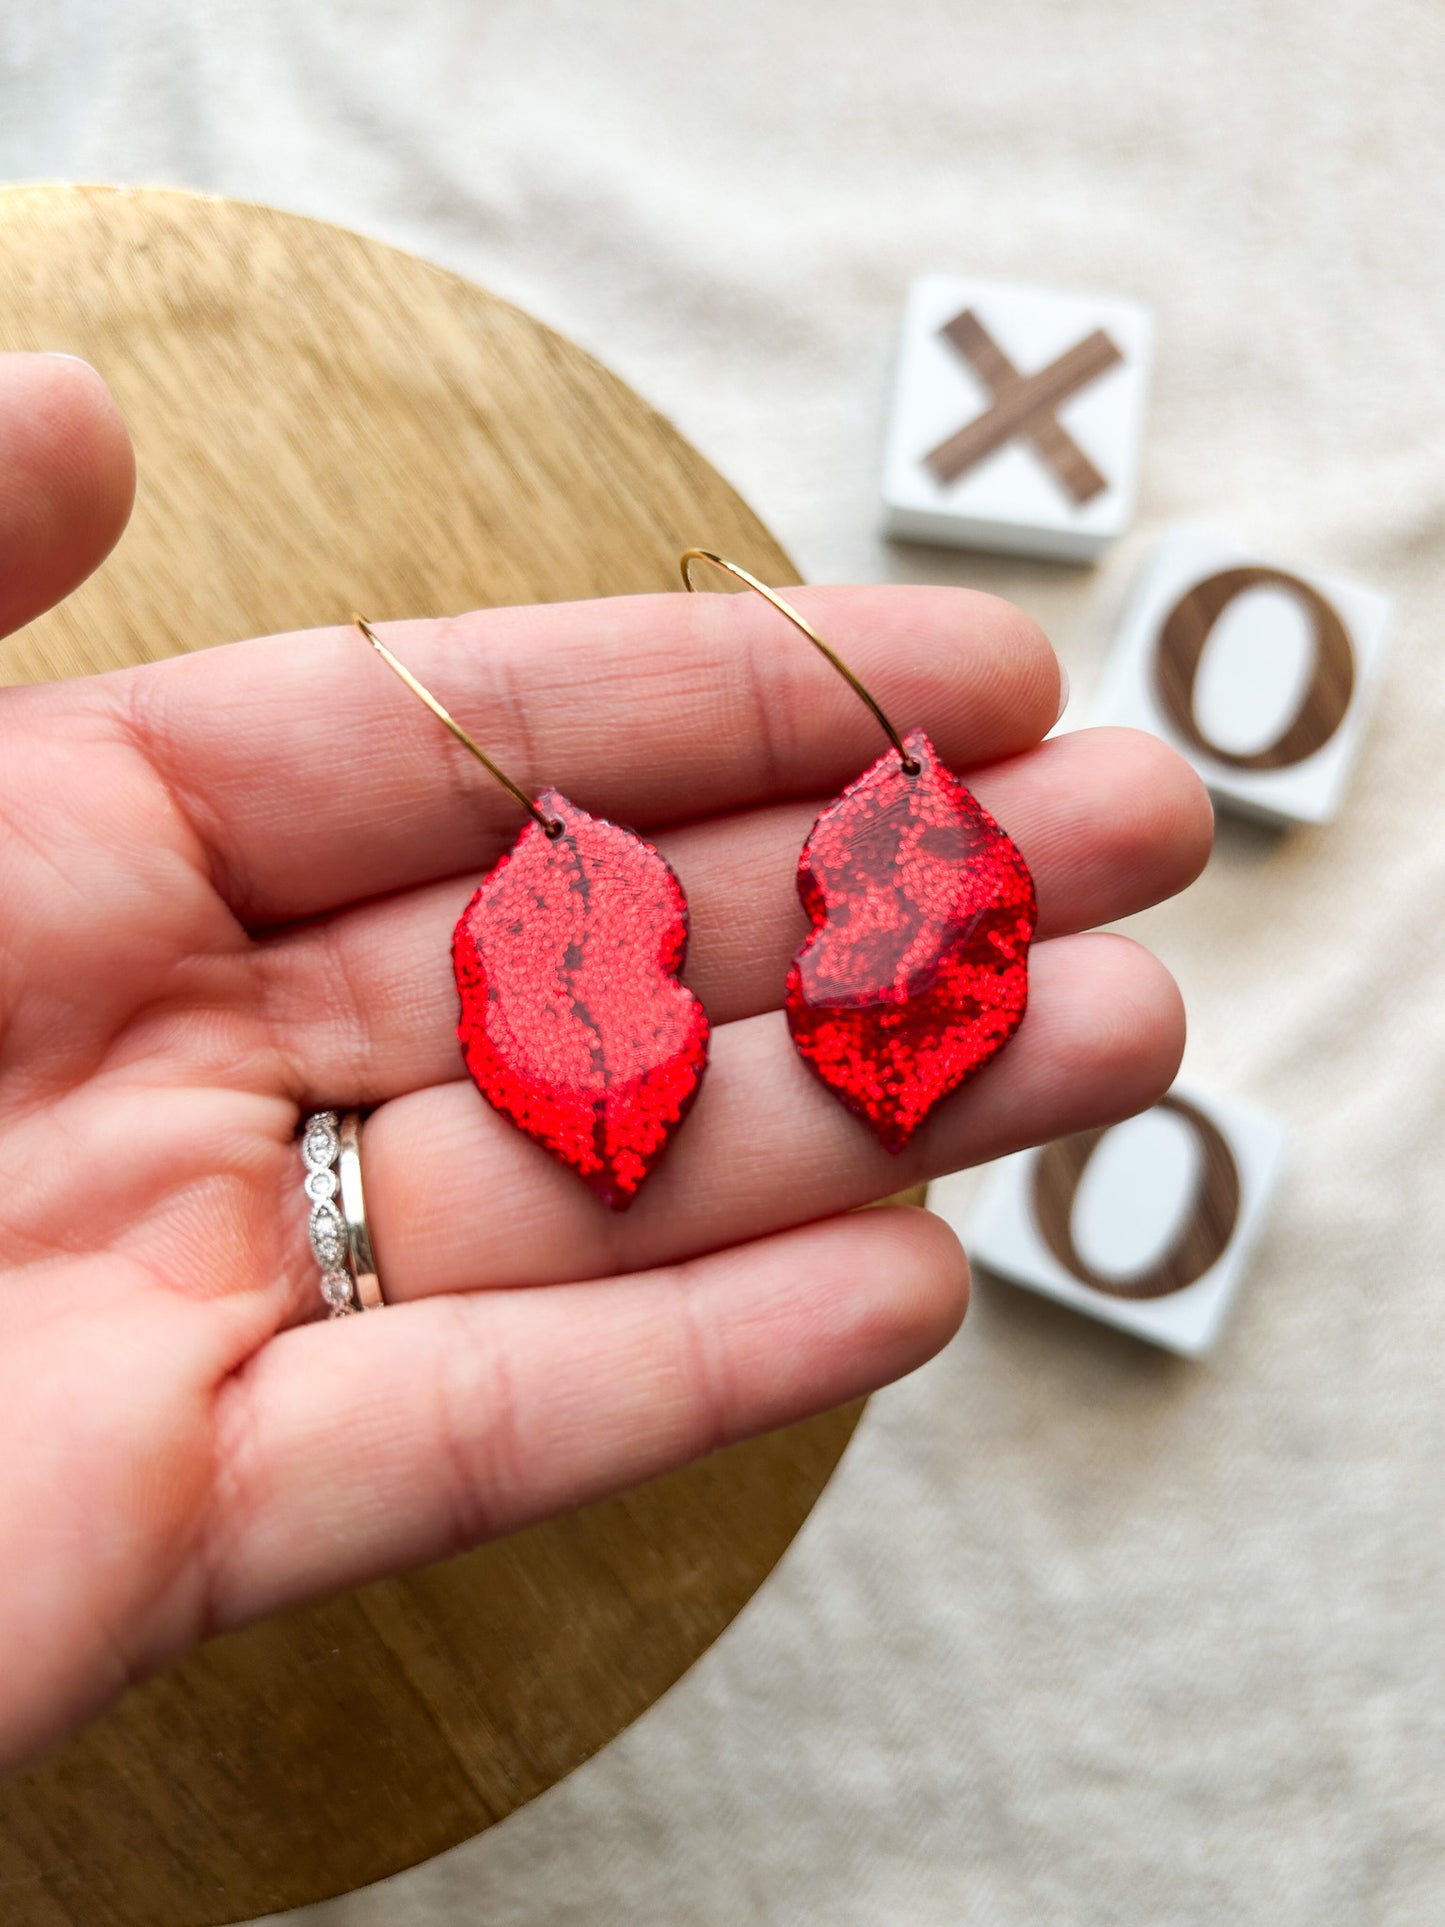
(915,972)
(573,1023)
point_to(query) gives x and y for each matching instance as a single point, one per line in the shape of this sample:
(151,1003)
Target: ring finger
(459,1200)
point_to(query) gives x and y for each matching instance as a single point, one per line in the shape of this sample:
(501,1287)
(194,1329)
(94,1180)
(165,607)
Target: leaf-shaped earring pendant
(915,973)
(574,1025)
(573,1022)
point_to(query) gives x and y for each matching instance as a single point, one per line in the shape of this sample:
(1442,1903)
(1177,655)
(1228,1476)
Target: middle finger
(363,1007)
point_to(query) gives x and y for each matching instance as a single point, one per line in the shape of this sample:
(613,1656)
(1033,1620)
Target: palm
(141,1142)
(230,882)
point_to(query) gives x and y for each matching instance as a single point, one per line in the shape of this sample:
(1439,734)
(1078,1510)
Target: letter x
(1023,407)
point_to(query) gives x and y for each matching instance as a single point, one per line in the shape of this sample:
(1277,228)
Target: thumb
(67,480)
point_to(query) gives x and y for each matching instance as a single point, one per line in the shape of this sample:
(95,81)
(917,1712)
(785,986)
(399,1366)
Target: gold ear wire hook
(783,608)
(548,823)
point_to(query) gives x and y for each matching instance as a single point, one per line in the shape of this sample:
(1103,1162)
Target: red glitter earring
(915,972)
(573,1023)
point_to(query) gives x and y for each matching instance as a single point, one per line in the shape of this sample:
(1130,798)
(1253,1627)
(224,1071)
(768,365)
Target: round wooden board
(324,423)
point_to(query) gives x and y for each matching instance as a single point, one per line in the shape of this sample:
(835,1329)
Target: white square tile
(1260,674)
(1050,466)
(1169,1204)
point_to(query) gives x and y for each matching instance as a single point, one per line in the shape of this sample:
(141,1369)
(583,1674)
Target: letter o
(1180,649)
(1202,1239)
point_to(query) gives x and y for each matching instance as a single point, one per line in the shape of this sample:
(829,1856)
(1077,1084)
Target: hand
(228,885)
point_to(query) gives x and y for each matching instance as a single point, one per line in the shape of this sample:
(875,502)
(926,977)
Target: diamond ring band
(340,1240)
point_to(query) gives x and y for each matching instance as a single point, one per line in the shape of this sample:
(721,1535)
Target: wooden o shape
(1202,1239)
(1180,649)
(326,424)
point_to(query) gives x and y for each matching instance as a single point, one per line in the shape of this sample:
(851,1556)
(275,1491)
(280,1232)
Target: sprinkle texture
(573,1024)
(916,971)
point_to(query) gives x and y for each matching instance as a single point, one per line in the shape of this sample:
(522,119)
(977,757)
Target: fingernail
(59,354)
(1063,693)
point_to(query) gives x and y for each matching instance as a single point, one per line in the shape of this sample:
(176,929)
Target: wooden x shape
(1023,407)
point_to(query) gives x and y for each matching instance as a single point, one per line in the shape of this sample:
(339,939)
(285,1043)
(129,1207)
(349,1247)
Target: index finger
(316,779)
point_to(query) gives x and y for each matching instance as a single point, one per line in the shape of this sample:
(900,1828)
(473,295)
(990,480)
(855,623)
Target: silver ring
(353,1210)
(340,1241)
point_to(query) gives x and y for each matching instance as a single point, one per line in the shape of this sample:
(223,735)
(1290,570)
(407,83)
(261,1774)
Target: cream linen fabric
(1080,1633)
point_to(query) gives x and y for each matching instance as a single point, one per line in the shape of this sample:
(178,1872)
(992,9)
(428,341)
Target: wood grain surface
(324,423)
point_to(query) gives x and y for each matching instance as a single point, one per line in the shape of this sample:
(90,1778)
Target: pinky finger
(357,1448)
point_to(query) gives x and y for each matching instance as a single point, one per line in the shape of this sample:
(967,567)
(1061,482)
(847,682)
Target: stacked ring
(340,1240)
(360,1262)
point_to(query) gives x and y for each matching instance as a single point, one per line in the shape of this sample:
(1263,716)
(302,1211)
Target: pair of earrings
(575,1026)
